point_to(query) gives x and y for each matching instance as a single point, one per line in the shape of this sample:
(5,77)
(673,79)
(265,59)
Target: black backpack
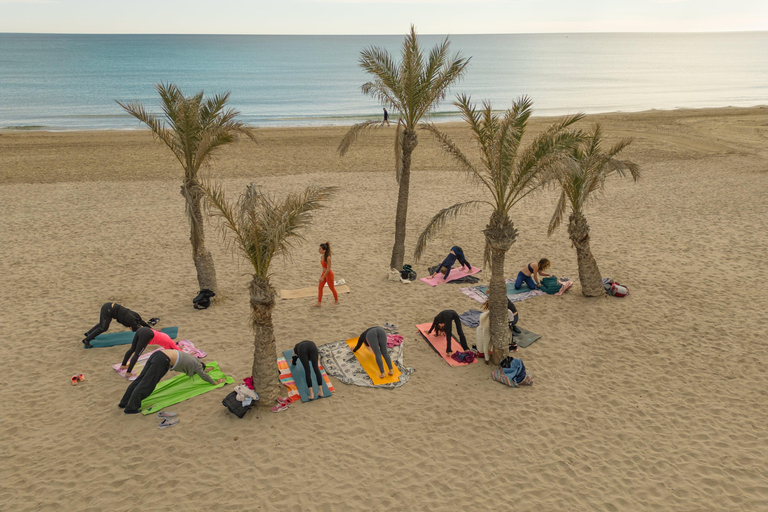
(408,273)
(234,405)
(203,299)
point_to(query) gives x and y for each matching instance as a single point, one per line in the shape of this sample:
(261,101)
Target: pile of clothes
(241,398)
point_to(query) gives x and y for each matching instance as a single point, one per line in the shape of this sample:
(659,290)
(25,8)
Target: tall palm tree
(261,228)
(510,172)
(582,175)
(413,87)
(193,128)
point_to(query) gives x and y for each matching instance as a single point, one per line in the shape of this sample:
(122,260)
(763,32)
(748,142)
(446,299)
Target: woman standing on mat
(327,275)
(531,273)
(306,352)
(442,324)
(454,254)
(157,366)
(113,311)
(143,337)
(376,339)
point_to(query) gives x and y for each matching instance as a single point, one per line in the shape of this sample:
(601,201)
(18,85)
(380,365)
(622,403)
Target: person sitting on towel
(454,254)
(442,324)
(305,352)
(113,311)
(376,339)
(143,337)
(530,274)
(157,366)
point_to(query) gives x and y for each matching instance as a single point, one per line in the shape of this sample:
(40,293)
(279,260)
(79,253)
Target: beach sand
(657,401)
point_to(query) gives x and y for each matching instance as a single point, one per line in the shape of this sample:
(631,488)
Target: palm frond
(353,134)
(438,222)
(557,217)
(454,151)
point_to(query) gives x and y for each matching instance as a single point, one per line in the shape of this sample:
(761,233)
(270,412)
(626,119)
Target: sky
(379,16)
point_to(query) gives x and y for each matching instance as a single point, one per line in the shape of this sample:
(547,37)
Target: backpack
(203,299)
(234,405)
(615,289)
(408,273)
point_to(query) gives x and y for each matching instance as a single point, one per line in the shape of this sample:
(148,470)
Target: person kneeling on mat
(442,324)
(157,366)
(305,352)
(113,311)
(143,337)
(376,339)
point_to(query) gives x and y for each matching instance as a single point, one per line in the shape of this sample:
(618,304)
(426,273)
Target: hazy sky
(380,16)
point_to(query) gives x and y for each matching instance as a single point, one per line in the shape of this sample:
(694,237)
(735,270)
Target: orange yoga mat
(439,344)
(367,360)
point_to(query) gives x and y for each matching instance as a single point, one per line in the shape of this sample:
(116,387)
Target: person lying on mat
(454,254)
(113,311)
(442,324)
(157,366)
(376,339)
(531,273)
(143,337)
(306,352)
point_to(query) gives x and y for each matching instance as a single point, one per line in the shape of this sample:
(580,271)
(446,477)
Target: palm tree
(262,228)
(510,172)
(413,87)
(193,128)
(584,173)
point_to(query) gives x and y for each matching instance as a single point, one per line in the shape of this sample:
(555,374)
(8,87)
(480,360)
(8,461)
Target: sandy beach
(657,401)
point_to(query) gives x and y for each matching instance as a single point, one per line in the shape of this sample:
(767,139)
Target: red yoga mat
(439,344)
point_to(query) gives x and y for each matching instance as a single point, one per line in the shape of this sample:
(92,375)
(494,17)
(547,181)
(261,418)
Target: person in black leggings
(113,311)
(376,339)
(305,352)
(442,324)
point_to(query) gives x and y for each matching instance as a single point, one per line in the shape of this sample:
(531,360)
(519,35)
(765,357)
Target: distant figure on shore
(531,273)
(113,311)
(327,276)
(386,118)
(456,253)
(306,352)
(376,339)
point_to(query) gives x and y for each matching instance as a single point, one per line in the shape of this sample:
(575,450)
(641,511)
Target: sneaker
(165,414)
(279,407)
(282,400)
(168,422)
(513,348)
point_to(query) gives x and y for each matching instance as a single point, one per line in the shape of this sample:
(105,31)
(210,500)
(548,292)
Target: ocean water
(71,82)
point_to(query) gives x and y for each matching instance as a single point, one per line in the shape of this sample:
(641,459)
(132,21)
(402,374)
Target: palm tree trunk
(500,234)
(589,273)
(398,250)
(206,273)
(264,371)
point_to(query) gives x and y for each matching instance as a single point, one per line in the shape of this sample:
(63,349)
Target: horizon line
(388,34)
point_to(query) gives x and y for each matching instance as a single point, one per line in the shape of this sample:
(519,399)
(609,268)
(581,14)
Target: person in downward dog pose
(442,324)
(306,352)
(143,337)
(327,275)
(113,311)
(530,274)
(454,254)
(376,339)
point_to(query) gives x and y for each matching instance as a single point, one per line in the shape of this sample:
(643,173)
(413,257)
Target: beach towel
(297,371)
(341,363)
(478,293)
(180,388)
(471,318)
(125,337)
(286,378)
(394,340)
(525,338)
(309,292)
(456,273)
(185,345)
(439,344)
(367,360)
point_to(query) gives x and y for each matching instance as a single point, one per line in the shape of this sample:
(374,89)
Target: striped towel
(286,378)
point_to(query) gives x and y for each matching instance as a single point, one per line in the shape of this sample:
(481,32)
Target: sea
(71,82)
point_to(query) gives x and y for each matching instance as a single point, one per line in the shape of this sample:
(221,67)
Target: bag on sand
(408,273)
(234,405)
(394,275)
(511,372)
(203,299)
(615,289)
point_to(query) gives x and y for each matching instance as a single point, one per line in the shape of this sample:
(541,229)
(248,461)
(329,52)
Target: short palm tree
(261,228)
(193,128)
(510,172)
(413,87)
(582,175)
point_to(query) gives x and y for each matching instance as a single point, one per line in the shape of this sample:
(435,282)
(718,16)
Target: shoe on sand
(166,414)
(281,400)
(168,422)
(279,407)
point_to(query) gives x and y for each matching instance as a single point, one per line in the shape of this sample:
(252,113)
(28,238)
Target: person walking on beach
(530,274)
(157,366)
(113,311)
(306,352)
(376,339)
(327,276)
(442,324)
(456,253)
(386,118)
(143,337)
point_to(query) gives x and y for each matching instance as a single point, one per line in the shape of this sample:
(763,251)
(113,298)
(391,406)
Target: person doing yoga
(306,352)
(113,311)
(531,273)
(157,366)
(454,254)
(442,324)
(376,339)
(143,337)
(327,275)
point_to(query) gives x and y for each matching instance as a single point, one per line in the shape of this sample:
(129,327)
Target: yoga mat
(439,344)
(301,381)
(178,389)
(311,292)
(456,273)
(125,338)
(525,338)
(185,346)
(367,360)
(510,288)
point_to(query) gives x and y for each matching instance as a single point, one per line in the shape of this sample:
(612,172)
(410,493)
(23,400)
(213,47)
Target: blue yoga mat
(510,289)
(125,338)
(301,381)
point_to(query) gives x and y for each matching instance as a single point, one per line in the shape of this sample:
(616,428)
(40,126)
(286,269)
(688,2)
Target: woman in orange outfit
(327,275)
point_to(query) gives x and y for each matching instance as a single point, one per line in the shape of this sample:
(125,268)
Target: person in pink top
(143,337)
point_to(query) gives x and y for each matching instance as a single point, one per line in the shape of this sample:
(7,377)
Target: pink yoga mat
(456,273)
(439,343)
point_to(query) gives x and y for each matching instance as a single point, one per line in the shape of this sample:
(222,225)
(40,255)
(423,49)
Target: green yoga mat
(301,381)
(525,338)
(510,289)
(125,338)
(180,388)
